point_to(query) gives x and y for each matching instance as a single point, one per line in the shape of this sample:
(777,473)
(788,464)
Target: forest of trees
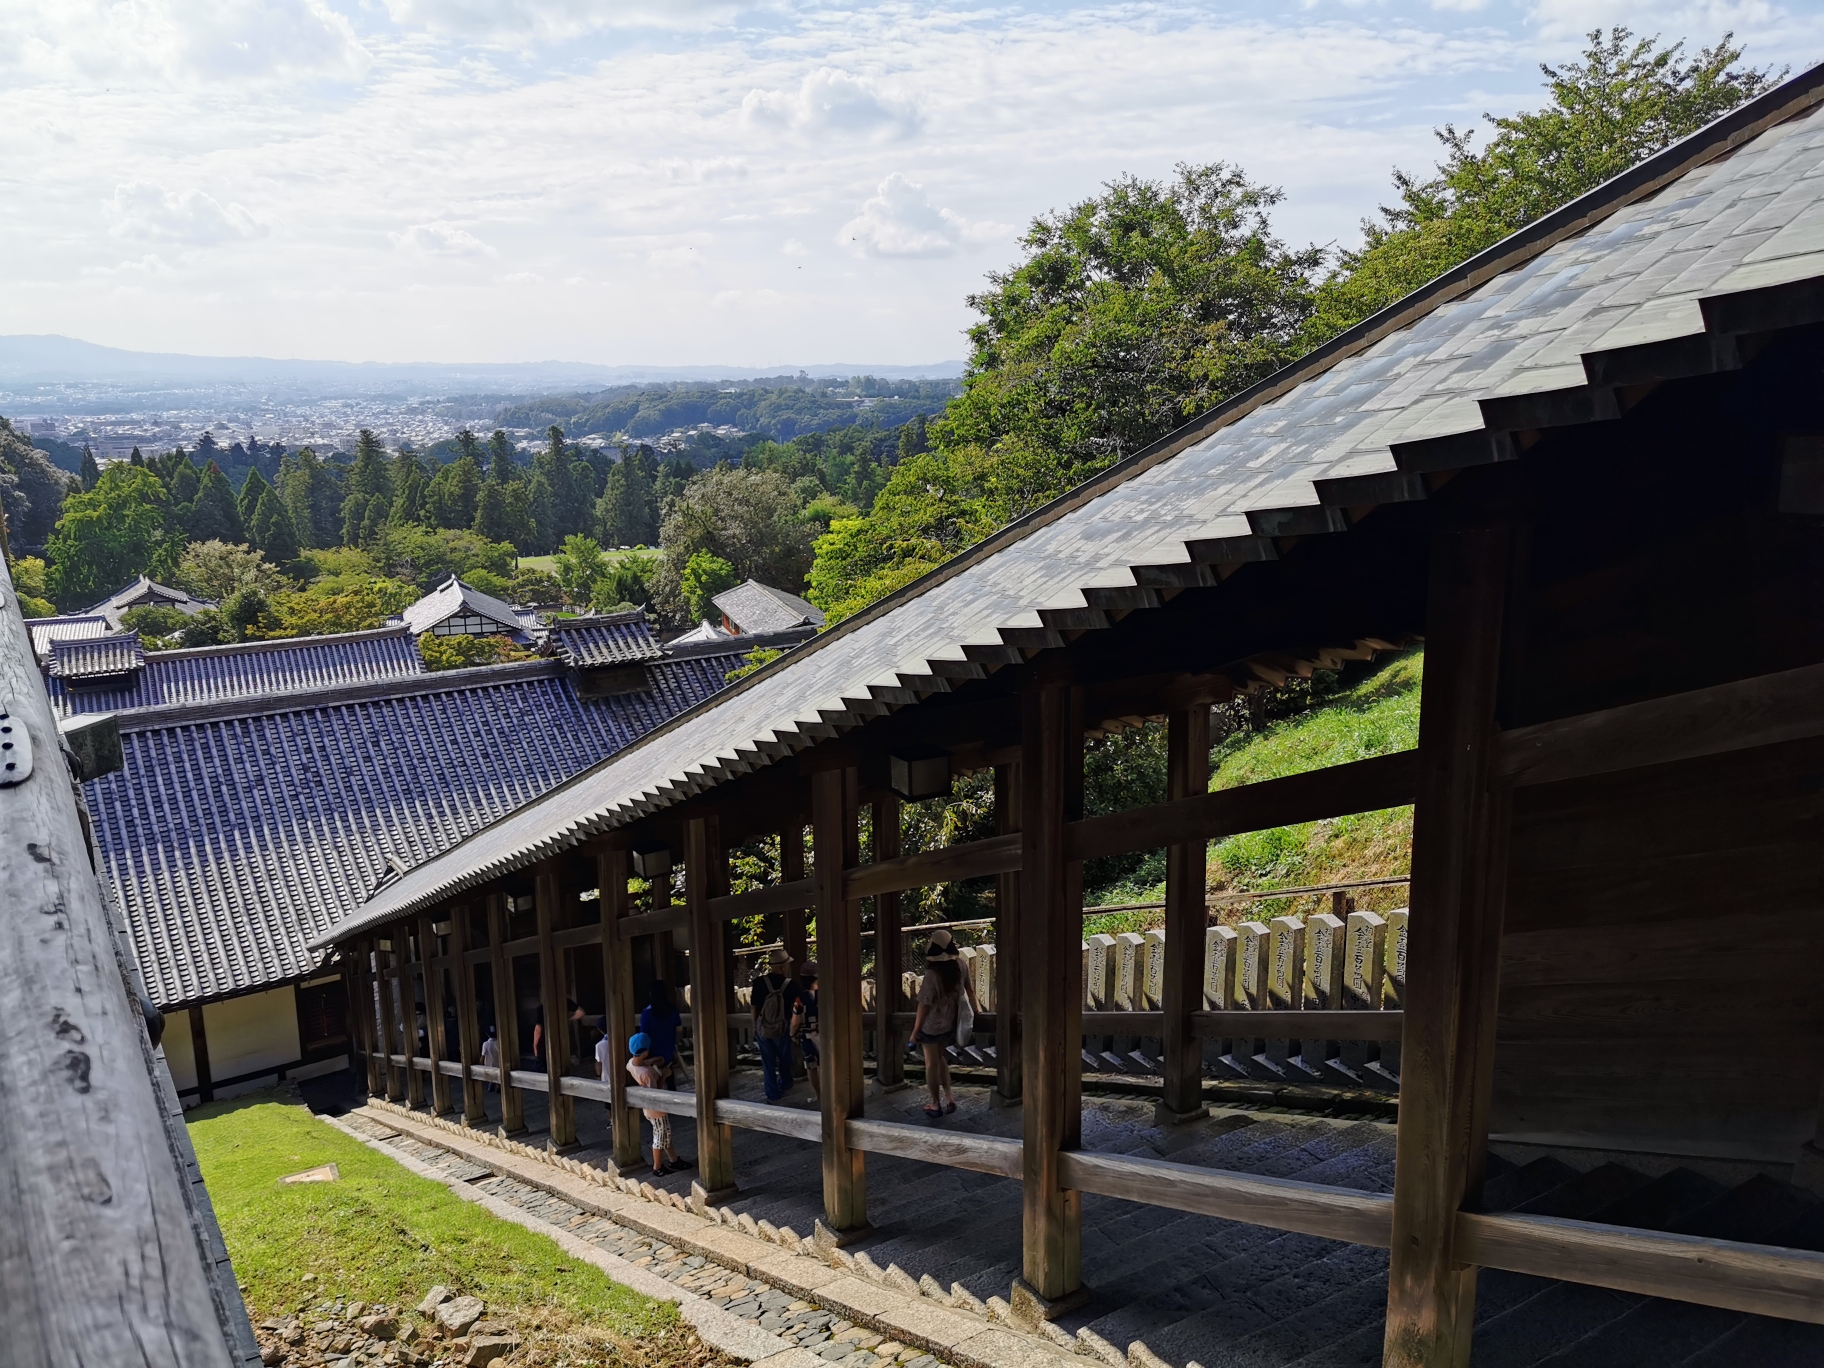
(1126,315)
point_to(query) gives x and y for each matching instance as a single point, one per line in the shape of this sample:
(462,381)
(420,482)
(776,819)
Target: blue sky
(687,182)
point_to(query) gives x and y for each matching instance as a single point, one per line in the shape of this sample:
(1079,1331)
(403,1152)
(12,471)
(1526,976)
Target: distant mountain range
(50,360)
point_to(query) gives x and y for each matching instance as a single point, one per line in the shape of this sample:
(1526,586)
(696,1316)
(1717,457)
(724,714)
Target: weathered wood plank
(705,870)
(1008,939)
(775,1120)
(994,1154)
(665,920)
(433,1013)
(468,1021)
(554,1036)
(1762,1280)
(1300,1025)
(662,1099)
(889,1040)
(506,1017)
(796,895)
(835,798)
(972,860)
(1364,1218)
(1187,776)
(1766,710)
(622,1012)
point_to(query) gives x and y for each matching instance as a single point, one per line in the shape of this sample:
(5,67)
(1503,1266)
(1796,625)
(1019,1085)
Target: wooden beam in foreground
(1187,747)
(703,859)
(954,1149)
(618,1025)
(468,1022)
(835,799)
(1763,711)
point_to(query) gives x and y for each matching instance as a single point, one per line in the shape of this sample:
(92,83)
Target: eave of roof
(542,827)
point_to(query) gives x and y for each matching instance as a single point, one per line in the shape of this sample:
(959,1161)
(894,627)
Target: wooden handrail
(1364,1218)
(954,1149)
(1763,1280)
(662,1099)
(971,860)
(794,1122)
(758,902)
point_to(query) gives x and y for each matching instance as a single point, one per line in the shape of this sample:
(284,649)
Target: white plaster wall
(180,1057)
(258,1031)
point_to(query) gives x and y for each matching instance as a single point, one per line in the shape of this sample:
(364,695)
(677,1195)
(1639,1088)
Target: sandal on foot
(933,1112)
(949,1107)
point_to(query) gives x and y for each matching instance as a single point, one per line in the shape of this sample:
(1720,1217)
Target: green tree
(427,556)
(216,570)
(408,488)
(748,518)
(368,494)
(181,477)
(578,565)
(449,500)
(313,498)
(351,608)
(32,490)
(627,581)
(626,514)
(212,515)
(249,498)
(556,508)
(91,470)
(29,574)
(501,469)
(706,575)
(273,530)
(500,512)
(107,535)
(912,438)
(1626,99)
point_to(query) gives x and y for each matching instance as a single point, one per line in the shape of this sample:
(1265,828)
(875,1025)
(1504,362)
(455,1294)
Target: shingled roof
(453,598)
(143,592)
(78,627)
(753,608)
(605,639)
(1648,277)
(107,657)
(237,831)
(217,673)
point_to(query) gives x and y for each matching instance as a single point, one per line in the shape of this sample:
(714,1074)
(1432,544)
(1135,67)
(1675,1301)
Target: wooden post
(199,1050)
(506,1017)
(1187,744)
(433,1014)
(468,1025)
(555,1003)
(361,1007)
(835,798)
(1007,1047)
(620,1013)
(386,986)
(1458,877)
(791,869)
(715,1181)
(889,1040)
(1051,891)
(405,962)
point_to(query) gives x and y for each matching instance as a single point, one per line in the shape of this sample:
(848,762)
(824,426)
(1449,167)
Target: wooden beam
(774,1120)
(386,988)
(366,1007)
(1763,1280)
(506,1017)
(621,1010)
(199,1055)
(835,796)
(1383,781)
(468,1022)
(889,1041)
(1364,1218)
(407,956)
(554,1003)
(434,1033)
(663,1099)
(662,922)
(791,871)
(704,871)
(1051,899)
(1766,710)
(1458,877)
(1007,939)
(973,860)
(1187,747)
(999,1155)
(797,895)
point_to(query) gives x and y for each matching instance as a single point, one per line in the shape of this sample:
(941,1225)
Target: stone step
(1662,1201)
(1539,1327)
(1586,1193)
(1530,1180)
(1750,1211)
(1762,1342)
(1346,1311)
(1263,1307)
(1653,1334)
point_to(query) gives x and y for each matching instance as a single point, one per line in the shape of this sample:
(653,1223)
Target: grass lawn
(380,1233)
(549,563)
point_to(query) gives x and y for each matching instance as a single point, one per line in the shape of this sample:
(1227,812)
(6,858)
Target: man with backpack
(772,1001)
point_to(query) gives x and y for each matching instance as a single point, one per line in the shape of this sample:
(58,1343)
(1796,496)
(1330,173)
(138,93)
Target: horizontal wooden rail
(1383,781)
(652,923)
(1364,1218)
(662,1099)
(1762,1280)
(449,1068)
(794,1122)
(486,1073)
(1305,1025)
(1763,711)
(577,937)
(759,902)
(972,860)
(954,1149)
(531,1082)
(593,1088)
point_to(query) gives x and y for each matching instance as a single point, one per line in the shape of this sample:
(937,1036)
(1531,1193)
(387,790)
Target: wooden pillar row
(434,1034)
(791,869)
(554,1003)
(407,962)
(506,1017)
(199,1053)
(835,804)
(1458,887)
(1187,774)
(889,1040)
(364,1005)
(1007,1040)
(386,984)
(468,1022)
(1051,981)
(705,874)
(620,1008)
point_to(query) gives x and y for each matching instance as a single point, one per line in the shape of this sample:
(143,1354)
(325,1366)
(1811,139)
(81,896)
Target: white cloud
(438,238)
(552,20)
(829,100)
(1701,22)
(793,248)
(169,41)
(901,221)
(145,209)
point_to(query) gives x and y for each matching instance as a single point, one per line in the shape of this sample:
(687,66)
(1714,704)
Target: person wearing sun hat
(939,999)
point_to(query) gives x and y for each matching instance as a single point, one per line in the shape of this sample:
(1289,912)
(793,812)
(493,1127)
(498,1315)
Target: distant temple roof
(215,673)
(452,599)
(143,593)
(106,657)
(606,639)
(703,631)
(238,832)
(75,627)
(753,607)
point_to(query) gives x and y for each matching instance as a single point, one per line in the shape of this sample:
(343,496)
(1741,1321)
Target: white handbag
(965,1018)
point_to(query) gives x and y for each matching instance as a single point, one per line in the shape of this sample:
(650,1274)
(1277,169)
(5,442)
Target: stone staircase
(1169,1288)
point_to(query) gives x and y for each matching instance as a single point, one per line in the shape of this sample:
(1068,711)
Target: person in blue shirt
(659,1022)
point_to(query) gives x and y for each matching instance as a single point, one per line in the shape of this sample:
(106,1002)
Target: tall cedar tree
(449,499)
(249,498)
(91,469)
(408,488)
(212,515)
(273,531)
(501,469)
(368,494)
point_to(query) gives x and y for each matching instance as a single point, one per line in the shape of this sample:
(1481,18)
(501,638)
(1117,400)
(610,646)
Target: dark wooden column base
(1027,1308)
(826,1239)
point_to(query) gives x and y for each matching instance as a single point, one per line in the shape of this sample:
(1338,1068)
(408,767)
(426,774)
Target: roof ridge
(278,644)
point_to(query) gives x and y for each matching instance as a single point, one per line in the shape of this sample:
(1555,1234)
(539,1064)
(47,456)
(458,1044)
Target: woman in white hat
(934,1028)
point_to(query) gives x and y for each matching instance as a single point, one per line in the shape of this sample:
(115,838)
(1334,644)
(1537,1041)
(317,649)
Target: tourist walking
(804,1024)
(490,1055)
(659,1022)
(648,1071)
(772,1006)
(940,999)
